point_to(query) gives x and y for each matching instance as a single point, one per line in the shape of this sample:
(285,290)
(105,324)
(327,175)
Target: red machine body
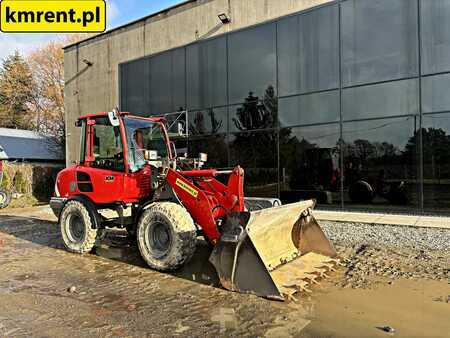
(207,199)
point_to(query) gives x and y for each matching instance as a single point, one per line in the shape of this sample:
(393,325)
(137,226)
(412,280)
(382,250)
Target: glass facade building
(345,103)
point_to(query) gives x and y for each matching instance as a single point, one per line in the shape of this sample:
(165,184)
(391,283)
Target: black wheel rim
(158,239)
(75,228)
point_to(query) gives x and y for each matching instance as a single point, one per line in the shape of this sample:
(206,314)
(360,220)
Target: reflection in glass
(436,162)
(309,109)
(214,146)
(380,100)
(208,121)
(255,113)
(134,84)
(160,84)
(435,29)
(308,51)
(252,62)
(178,80)
(380,163)
(167,81)
(309,164)
(379,40)
(257,153)
(206,69)
(435,96)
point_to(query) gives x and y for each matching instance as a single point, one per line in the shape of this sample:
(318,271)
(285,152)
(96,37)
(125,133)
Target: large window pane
(309,109)
(207,74)
(168,81)
(257,153)
(178,80)
(386,99)
(160,83)
(255,113)
(435,97)
(436,161)
(252,62)
(308,51)
(435,19)
(309,164)
(208,121)
(123,86)
(380,164)
(134,86)
(379,40)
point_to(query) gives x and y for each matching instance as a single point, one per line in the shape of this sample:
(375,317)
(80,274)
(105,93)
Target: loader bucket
(274,252)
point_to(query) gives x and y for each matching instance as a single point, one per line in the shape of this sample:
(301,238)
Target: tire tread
(184,230)
(91,234)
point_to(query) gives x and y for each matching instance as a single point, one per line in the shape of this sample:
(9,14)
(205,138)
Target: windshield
(143,135)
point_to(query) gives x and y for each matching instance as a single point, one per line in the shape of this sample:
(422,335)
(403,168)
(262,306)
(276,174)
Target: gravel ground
(348,234)
(374,254)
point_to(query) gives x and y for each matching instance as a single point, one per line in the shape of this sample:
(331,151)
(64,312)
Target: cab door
(101,178)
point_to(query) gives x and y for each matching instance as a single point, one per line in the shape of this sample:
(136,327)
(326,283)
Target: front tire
(166,236)
(76,228)
(5,198)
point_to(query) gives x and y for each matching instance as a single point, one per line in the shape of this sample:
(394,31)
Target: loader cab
(125,145)
(117,153)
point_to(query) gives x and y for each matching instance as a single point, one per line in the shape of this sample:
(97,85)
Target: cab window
(107,147)
(144,135)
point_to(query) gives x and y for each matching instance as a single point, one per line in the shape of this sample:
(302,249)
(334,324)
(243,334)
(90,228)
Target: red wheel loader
(128,164)
(5,195)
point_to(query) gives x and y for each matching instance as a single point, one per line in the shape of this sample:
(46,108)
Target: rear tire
(5,198)
(166,236)
(76,228)
(361,192)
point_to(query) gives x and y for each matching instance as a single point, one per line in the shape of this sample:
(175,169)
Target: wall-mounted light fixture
(87,62)
(224,18)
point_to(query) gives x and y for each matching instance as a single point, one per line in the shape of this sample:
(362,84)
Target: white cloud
(23,42)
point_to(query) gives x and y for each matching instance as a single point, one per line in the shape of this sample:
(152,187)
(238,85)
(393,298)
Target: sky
(119,12)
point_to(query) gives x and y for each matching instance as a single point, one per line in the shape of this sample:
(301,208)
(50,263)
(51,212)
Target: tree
(202,125)
(47,67)
(255,150)
(364,149)
(16,92)
(255,114)
(436,151)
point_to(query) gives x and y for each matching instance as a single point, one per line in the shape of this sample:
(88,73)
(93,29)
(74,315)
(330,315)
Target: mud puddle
(413,308)
(119,247)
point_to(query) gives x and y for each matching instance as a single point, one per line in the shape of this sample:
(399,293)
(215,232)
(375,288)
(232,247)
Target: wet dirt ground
(48,292)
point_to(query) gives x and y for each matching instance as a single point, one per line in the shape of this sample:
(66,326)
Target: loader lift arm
(207,199)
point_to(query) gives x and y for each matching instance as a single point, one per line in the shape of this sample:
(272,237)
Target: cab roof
(102,114)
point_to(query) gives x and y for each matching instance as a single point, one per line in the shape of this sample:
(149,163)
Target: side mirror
(180,128)
(150,155)
(113,118)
